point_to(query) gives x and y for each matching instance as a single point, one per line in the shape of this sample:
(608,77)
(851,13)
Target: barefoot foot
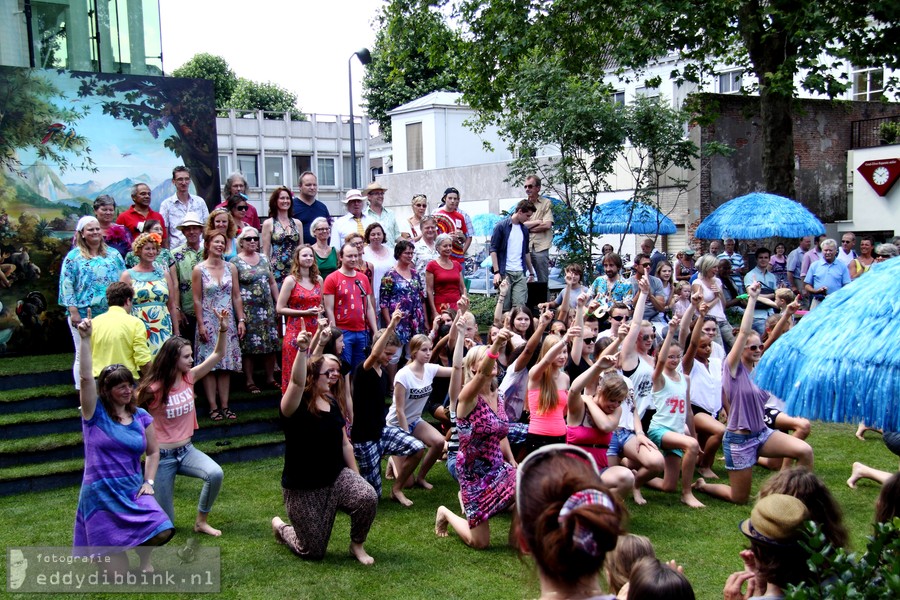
(204,527)
(440,522)
(638,497)
(707,473)
(691,501)
(359,553)
(389,470)
(399,496)
(423,484)
(277,526)
(855,475)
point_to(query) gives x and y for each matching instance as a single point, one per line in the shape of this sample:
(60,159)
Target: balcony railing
(867,133)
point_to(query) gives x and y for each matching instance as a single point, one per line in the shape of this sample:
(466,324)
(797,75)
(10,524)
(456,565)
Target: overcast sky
(302,46)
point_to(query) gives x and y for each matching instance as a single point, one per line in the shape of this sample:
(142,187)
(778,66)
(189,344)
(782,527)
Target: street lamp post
(364,59)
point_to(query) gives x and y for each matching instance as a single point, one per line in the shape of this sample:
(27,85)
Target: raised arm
(577,343)
(320,338)
(734,355)
(456,377)
(696,299)
(294,392)
(659,367)
(88,393)
(199,371)
(534,341)
(469,393)
(534,375)
(501,300)
(629,344)
(687,362)
(381,344)
(789,312)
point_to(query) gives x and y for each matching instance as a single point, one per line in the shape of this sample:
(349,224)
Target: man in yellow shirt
(118,337)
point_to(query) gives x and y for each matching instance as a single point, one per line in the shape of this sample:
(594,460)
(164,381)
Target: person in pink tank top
(548,392)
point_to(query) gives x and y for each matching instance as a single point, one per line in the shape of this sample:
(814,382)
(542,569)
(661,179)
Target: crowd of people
(636,380)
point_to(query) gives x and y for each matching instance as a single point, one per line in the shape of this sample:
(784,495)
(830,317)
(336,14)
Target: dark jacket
(500,239)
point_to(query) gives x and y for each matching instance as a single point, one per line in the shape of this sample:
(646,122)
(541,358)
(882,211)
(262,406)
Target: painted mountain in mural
(88,189)
(43,180)
(121,190)
(161,192)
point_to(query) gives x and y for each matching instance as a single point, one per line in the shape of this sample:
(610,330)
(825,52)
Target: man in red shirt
(347,297)
(462,236)
(133,218)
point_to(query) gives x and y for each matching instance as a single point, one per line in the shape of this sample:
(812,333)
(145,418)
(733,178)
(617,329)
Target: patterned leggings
(312,512)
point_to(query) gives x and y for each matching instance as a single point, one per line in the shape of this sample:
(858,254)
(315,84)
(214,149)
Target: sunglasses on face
(251,239)
(330,373)
(241,208)
(590,340)
(646,337)
(620,318)
(529,186)
(754,347)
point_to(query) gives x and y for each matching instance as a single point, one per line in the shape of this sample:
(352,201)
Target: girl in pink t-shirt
(167,392)
(548,393)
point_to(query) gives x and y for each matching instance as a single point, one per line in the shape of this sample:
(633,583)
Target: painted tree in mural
(29,119)
(146,102)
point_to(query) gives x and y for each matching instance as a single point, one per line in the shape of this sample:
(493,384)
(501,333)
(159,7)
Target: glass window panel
(247,166)
(275,174)
(325,172)
(414,154)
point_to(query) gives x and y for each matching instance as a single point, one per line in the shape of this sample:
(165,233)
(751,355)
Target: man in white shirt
(377,213)
(510,258)
(352,222)
(846,254)
(176,207)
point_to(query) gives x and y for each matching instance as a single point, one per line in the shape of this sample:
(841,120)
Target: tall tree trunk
(778,142)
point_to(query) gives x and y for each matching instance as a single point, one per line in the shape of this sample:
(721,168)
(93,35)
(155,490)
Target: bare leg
(143,553)
(478,538)
(406,465)
(209,388)
(223,383)
(435,442)
(269,366)
(710,433)
(650,463)
(248,369)
(738,492)
(619,480)
(782,445)
(861,471)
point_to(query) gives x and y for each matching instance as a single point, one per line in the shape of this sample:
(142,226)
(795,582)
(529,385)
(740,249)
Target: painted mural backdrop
(65,138)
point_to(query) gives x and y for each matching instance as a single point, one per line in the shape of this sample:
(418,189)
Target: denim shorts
(618,440)
(742,449)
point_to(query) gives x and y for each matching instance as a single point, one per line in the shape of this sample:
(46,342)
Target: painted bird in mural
(51,131)
(69,137)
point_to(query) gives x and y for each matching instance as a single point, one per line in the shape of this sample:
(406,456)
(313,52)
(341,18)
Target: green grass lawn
(412,563)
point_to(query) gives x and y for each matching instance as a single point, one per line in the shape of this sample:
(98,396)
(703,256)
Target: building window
(730,82)
(618,97)
(325,172)
(646,92)
(302,164)
(414,151)
(868,84)
(247,166)
(348,171)
(275,174)
(224,168)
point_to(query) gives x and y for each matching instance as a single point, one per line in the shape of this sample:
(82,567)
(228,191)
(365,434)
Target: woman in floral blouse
(401,288)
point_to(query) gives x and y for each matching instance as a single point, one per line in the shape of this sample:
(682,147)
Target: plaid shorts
(394,442)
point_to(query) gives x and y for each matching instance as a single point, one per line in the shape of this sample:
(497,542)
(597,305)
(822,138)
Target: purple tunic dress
(108,512)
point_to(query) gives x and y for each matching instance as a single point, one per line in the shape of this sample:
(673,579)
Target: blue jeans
(186,460)
(355,343)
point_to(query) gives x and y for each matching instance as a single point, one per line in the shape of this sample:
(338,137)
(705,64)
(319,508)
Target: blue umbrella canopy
(840,362)
(759,215)
(484,223)
(630,216)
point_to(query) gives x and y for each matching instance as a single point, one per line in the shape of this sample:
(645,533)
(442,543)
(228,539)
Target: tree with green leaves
(778,42)
(213,68)
(269,97)
(410,59)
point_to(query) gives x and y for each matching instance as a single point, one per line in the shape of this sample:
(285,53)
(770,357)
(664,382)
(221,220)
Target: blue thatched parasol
(484,223)
(757,216)
(630,216)
(840,362)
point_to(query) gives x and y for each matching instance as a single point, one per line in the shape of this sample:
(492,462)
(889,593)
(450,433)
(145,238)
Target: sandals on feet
(253,388)
(216,414)
(229,414)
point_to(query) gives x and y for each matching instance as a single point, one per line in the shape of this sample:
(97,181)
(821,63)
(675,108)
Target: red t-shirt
(349,304)
(130,219)
(176,420)
(446,283)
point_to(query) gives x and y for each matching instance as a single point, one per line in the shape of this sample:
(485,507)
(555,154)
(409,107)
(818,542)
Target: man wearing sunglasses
(540,226)
(657,301)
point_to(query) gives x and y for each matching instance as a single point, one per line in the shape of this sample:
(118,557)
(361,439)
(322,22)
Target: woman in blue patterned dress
(280,234)
(485,464)
(402,288)
(86,272)
(153,304)
(116,507)
(258,294)
(215,286)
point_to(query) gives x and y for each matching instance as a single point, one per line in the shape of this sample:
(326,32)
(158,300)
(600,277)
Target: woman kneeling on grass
(671,395)
(567,520)
(314,490)
(487,481)
(747,436)
(168,394)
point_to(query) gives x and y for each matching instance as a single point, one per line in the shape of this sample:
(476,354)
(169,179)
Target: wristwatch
(149,482)
(495,271)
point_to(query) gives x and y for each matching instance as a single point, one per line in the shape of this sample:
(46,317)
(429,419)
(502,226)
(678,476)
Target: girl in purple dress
(116,506)
(485,463)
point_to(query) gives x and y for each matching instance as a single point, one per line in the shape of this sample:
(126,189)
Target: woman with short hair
(325,254)
(153,303)
(116,236)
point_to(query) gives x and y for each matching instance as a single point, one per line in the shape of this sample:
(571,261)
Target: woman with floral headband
(567,520)
(153,304)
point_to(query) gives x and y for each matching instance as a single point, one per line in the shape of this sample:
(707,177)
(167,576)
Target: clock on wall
(881,174)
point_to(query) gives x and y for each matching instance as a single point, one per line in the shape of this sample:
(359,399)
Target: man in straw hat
(186,257)
(352,222)
(377,213)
